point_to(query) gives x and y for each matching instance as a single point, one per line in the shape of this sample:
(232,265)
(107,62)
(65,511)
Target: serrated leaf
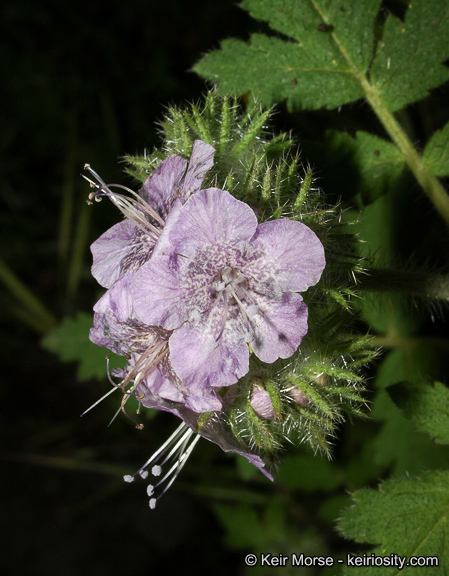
(426,405)
(407,517)
(399,444)
(409,58)
(436,153)
(70,340)
(332,48)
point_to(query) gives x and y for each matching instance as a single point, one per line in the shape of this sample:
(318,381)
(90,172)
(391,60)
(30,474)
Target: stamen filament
(179,447)
(178,466)
(180,430)
(98,401)
(134,208)
(225,316)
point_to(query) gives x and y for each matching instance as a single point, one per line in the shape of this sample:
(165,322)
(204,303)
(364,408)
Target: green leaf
(245,528)
(436,153)
(322,67)
(409,58)
(407,517)
(71,342)
(337,52)
(327,59)
(309,473)
(399,445)
(267,531)
(379,162)
(426,405)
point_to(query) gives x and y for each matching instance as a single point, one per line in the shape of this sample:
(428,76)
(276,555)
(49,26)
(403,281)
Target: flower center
(232,286)
(230,281)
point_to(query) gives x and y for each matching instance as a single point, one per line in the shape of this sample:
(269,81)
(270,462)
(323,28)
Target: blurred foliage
(85,82)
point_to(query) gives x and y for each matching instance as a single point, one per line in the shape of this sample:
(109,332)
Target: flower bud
(298,397)
(261,402)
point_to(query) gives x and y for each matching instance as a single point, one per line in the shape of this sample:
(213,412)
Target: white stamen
(195,315)
(179,447)
(98,401)
(134,208)
(225,316)
(178,466)
(128,478)
(156,470)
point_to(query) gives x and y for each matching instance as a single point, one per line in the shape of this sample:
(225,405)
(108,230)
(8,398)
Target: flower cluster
(208,296)
(195,285)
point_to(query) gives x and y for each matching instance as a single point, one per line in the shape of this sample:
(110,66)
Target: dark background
(86,82)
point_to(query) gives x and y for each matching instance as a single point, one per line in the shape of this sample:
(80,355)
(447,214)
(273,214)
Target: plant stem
(411,283)
(431,186)
(40,317)
(408,342)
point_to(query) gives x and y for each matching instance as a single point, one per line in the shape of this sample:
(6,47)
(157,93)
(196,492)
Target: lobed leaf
(409,58)
(330,55)
(436,153)
(407,517)
(380,163)
(399,444)
(329,46)
(426,405)
(71,342)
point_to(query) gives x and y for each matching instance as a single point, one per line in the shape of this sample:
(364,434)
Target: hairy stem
(431,186)
(411,283)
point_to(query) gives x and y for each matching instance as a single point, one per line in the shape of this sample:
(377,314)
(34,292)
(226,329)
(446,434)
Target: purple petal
(117,300)
(157,294)
(160,189)
(202,361)
(109,250)
(213,217)
(279,327)
(163,245)
(161,386)
(115,326)
(201,161)
(294,255)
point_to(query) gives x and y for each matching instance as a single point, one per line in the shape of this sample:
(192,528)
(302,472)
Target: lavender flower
(129,244)
(226,286)
(201,298)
